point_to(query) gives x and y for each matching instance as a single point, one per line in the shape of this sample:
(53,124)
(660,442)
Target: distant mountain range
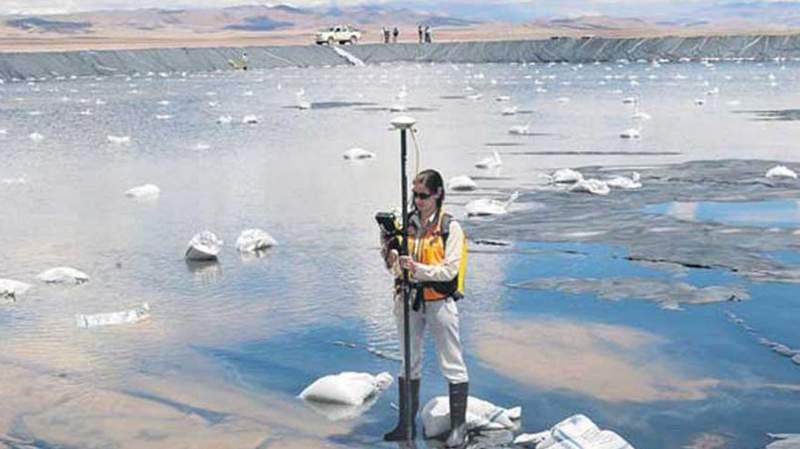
(490,19)
(239,18)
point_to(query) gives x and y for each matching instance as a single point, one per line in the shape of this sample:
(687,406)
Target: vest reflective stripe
(431,251)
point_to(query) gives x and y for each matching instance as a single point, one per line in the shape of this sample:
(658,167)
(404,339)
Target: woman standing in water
(435,266)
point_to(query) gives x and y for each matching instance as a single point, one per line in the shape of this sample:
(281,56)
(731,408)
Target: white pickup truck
(339,34)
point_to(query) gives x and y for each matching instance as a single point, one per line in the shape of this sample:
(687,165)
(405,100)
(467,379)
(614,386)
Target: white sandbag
(63,275)
(462,183)
(250,120)
(593,186)
(780,171)
(578,432)
(630,133)
(358,154)
(485,206)
(520,130)
(481,415)
(784,441)
(12,288)
(566,175)
(512,110)
(349,388)
(531,439)
(119,140)
(204,246)
(146,191)
(108,319)
(490,162)
(251,240)
(622,182)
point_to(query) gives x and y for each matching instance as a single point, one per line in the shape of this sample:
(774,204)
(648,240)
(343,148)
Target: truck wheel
(353,40)
(330,41)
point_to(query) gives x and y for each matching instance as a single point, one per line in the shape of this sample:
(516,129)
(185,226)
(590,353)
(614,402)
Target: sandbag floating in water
(131,316)
(146,191)
(204,246)
(484,207)
(780,171)
(490,162)
(63,275)
(462,183)
(348,388)
(358,154)
(593,186)
(622,182)
(10,289)
(251,240)
(565,175)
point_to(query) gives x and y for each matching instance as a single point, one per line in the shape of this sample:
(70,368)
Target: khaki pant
(442,319)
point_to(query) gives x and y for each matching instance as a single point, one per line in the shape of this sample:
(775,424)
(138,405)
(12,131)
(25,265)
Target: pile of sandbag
(575,432)
(481,415)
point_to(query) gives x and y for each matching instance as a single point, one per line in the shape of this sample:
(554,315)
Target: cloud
(610,363)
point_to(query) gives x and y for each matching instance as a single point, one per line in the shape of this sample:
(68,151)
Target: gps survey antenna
(405,124)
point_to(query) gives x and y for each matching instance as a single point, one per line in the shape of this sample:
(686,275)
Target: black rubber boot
(399,432)
(458,416)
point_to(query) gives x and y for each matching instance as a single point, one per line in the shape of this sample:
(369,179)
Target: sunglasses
(422,196)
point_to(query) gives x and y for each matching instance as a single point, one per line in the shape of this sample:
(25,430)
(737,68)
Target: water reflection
(206,271)
(785,214)
(610,363)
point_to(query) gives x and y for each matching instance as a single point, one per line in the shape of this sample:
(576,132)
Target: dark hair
(432,180)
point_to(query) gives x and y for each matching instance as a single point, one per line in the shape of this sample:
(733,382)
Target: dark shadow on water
(408,109)
(333,104)
(773,115)
(532,134)
(593,153)
(503,144)
(491,178)
(211,417)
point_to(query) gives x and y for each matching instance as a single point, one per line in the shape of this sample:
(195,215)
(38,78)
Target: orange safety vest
(429,249)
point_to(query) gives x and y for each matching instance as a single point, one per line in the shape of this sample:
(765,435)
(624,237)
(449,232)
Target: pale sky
(66,6)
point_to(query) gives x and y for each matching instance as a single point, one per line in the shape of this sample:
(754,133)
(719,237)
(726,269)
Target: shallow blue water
(785,214)
(701,337)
